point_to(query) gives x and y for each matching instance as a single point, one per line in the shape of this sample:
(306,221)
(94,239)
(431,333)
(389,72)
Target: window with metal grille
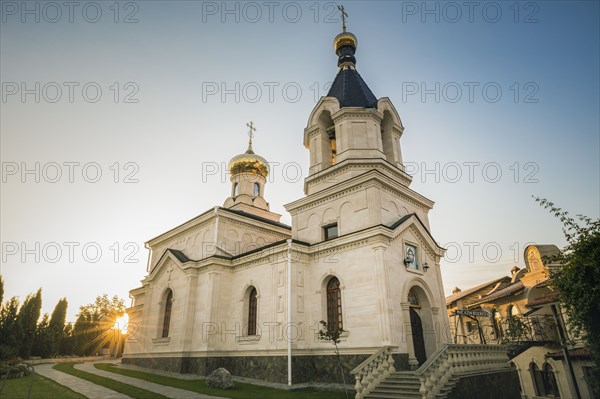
(334,305)
(167,314)
(252,310)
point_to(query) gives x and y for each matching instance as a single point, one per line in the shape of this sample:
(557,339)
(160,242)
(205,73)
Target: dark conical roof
(351,90)
(348,87)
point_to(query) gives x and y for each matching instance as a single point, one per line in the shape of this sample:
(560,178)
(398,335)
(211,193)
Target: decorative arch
(385,105)
(330,104)
(313,220)
(346,210)
(329,215)
(418,282)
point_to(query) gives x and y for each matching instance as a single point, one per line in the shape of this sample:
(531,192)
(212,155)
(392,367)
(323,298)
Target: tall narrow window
(538,381)
(334,305)
(167,314)
(235,190)
(256,189)
(550,386)
(252,310)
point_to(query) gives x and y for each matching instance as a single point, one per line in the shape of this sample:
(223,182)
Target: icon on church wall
(411,256)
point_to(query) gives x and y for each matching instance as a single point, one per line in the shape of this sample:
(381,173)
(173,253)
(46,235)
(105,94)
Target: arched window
(334,304)
(550,386)
(513,310)
(256,189)
(413,299)
(536,377)
(252,311)
(168,306)
(235,190)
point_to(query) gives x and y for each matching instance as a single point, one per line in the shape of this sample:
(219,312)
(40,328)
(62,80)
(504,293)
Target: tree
(10,331)
(1,290)
(57,326)
(92,330)
(333,335)
(67,344)
(41,342)
(578,281)
(27,320)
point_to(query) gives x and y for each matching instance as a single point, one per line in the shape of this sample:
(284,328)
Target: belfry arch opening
(328,140)
(387,137)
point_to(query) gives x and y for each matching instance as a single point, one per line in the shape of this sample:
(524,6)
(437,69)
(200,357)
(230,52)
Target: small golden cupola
(248,174)
(249,162)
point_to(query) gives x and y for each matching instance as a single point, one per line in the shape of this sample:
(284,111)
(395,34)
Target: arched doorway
(422,341)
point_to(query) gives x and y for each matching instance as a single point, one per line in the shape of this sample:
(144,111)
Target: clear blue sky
(505,87)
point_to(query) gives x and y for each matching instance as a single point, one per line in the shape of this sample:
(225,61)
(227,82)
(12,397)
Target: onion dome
(249,162)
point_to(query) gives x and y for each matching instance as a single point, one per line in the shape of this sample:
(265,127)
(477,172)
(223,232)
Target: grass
(129,390)
(42,388)
(241,390)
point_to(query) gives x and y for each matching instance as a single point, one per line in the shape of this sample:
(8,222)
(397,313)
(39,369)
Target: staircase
(401,384)
(376,377)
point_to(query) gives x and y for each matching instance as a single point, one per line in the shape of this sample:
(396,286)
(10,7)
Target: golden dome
(344,39)
(249,162)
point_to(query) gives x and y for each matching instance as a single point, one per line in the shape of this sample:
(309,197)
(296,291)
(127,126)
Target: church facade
(236,288)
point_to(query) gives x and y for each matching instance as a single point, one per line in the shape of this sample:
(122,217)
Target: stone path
(171,392)
(86,388)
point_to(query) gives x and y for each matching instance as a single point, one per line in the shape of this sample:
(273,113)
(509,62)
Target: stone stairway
(401,384)
(376,377)
(404,385)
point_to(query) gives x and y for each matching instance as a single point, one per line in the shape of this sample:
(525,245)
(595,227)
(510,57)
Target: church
(236,288)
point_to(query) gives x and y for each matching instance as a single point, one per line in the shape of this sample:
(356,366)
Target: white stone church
(235,288)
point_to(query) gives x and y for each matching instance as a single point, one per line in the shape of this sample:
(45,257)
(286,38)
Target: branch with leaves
(328,333)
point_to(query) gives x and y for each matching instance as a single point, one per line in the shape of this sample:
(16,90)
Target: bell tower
(356,177)
(350,124)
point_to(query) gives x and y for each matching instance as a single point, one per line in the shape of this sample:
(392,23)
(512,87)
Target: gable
(414,226)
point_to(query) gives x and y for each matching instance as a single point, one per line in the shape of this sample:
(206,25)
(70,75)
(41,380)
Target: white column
(289,308)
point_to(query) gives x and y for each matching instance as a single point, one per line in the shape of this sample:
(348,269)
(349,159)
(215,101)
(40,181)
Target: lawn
(42,388)
(241,391)
(129,390)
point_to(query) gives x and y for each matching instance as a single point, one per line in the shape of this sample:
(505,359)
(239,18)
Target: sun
(121,323)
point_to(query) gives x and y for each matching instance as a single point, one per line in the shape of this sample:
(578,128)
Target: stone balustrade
(373,370)
(455,360)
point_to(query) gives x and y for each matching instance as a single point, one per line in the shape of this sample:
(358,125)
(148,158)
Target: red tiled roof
(462,294)
(499,294)
(577,352)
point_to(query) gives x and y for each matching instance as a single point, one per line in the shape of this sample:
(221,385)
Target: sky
(117,121)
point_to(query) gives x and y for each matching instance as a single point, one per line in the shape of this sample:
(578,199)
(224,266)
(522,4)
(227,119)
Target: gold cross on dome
(344,15)
(252,129)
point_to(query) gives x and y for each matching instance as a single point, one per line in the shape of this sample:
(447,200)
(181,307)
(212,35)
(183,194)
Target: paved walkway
(86,388)
(171,392)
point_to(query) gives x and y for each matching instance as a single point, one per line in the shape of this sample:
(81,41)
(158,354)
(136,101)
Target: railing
(373,370)
(455,360)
